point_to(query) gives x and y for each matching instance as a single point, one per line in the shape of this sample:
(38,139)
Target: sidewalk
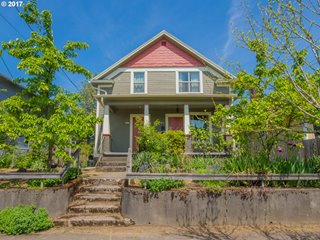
(307,232)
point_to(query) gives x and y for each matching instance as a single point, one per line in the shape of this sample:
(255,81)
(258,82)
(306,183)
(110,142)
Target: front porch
(117,132)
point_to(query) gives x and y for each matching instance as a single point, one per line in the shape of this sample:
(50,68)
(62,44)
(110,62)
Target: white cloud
(236,17)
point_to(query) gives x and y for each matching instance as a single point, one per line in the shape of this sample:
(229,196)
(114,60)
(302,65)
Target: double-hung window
(139,82)
(189,82)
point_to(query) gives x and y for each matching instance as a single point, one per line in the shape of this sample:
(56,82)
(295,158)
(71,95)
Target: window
(199,121)
(138,82)
(189,82)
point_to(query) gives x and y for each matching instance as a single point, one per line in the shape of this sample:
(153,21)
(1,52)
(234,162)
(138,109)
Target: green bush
(24,220)
(72,173)
(36,183)
(201,163)
(159,185)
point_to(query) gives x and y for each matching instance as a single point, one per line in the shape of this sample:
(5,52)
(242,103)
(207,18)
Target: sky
(113,28)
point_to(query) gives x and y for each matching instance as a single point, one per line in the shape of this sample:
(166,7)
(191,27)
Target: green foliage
(199,163)
(36,183)
(87,102)
(24,220)
(72,173)
(86,150)
(159,185)
(151,140)
(211,138)
(45,114)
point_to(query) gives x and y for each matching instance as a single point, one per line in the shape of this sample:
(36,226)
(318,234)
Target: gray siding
(8,89)
(208,83)
(121,83)
(162,82)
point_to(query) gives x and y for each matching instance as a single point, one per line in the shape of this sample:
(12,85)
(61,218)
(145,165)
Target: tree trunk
(50,155)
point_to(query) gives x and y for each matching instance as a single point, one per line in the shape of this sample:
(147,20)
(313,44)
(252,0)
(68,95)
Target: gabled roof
(170,37)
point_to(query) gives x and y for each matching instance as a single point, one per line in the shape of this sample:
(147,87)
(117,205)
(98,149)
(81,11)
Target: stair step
(97,197)
(115,154)
(93,220)
(113,163)
(95,208)
(111,169)
(100,181)
(100,188)
(116,158)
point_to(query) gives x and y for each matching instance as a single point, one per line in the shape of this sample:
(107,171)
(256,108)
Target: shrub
(72,173)
(174,142)
(145,161)
(24,220)
(159,185)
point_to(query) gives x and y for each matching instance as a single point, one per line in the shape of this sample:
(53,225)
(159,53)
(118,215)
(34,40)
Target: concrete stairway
(112,162)
(96,203)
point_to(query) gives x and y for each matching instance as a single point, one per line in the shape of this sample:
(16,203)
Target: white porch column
(146,119)
(186,120)
(106,120)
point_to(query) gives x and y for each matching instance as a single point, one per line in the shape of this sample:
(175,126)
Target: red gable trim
(163,54)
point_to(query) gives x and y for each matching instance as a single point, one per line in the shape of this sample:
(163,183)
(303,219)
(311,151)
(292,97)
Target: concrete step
(93,197)
(115,154)
(92,220)
(94,208)
(112,163)
(111,168)
(114,159)
(99,189)
(100,181)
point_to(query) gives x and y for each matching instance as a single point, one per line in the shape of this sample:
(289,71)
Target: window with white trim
(138,82)
(189,82)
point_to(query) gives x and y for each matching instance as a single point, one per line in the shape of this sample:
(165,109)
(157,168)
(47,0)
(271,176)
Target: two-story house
(163,79)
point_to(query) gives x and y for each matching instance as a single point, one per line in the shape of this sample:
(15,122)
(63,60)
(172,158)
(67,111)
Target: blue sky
(113,28)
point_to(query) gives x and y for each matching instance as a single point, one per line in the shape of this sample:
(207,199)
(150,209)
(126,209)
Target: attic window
(163,43)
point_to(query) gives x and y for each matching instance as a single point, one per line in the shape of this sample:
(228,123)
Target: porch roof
(156,99)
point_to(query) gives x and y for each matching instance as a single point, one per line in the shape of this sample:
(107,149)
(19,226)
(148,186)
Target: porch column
(106,147)
(186,119)
(146,119)
(106,120)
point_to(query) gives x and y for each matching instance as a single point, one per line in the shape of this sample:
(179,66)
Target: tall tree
(286,42)
(49,118)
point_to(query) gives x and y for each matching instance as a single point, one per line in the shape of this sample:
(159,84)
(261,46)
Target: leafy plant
(159,185)
(72,173)
(24,220)
(49,118)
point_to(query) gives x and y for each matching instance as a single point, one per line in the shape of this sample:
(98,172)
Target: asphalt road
(273,232)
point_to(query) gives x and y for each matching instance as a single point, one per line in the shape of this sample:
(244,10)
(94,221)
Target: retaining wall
(234,207)
(55,200)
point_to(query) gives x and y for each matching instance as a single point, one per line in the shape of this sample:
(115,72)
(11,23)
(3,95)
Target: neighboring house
(9,88)
(162,79)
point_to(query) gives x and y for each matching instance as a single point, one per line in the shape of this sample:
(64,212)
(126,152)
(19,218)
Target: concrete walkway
(274,232)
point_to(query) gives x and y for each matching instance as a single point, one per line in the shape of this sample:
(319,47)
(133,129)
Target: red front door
(175,123)
(135,133)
